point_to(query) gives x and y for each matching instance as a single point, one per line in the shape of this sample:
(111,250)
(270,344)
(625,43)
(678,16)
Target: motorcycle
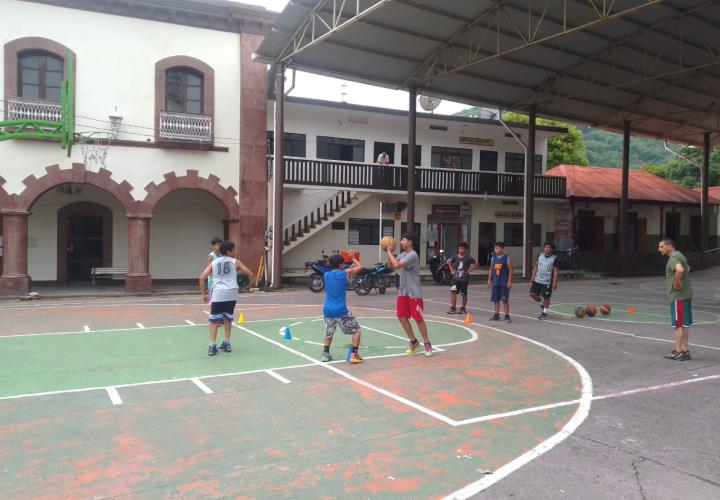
(318,268)
(440,269)
(381,276)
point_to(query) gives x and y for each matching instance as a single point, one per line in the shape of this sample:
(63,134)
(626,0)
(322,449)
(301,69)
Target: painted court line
(201,385)
(189,322)
(277,377)
(114,396)
(140,325)
(357,380)
(405,339)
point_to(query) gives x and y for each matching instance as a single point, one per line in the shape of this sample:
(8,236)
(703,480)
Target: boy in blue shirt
(500,281)
(335,309)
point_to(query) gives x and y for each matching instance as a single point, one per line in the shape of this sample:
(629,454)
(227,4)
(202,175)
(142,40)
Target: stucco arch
(192,180)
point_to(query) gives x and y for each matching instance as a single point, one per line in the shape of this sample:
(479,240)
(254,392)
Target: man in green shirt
(677,278)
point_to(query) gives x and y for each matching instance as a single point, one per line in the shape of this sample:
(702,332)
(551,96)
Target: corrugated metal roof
(655,63)
(605,183)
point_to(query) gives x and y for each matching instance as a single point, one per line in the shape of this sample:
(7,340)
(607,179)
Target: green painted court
(129,410)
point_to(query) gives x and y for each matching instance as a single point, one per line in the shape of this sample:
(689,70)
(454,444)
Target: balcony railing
(185,126)
(359,176)
(23,108)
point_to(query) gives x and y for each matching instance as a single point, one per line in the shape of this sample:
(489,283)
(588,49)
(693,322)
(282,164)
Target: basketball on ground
(605,309)
(386,242)
(591,310)
(580,312)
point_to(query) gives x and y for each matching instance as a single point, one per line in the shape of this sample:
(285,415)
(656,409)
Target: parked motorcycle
(440,269)
(318,268)
(381,276)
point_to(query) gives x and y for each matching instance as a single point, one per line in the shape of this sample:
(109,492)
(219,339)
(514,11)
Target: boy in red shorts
(409,301)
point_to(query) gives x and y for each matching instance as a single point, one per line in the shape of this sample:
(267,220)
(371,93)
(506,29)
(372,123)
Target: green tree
(685,173)
(566,148)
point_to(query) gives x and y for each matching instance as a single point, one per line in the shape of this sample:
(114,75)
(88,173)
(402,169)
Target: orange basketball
(386,242)
(591,310)
(605,309)
(631,310)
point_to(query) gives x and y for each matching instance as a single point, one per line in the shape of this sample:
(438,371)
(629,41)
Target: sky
(333,89)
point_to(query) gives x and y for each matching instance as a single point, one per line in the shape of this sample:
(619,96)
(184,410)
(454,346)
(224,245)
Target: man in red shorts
(409,301)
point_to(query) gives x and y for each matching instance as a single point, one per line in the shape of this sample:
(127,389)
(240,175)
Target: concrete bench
(107,271)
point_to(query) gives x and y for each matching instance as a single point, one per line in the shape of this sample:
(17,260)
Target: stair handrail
(321,205)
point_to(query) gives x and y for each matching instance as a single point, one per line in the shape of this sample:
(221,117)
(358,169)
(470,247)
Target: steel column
(278,176)
(529,196)
(704,212)
(623,209)
(412,129)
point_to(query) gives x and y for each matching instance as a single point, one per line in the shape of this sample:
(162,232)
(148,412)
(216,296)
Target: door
(388,147)
(641,235)
(672,225)
(85,245)
(450,237)
(631,240)
(598,234)
(486,242)
(695,229)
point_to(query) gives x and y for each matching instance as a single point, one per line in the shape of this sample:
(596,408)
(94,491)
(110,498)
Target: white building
(470,175)
(188,160)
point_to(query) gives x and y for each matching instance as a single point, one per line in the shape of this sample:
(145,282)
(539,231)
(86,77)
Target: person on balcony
(383,158)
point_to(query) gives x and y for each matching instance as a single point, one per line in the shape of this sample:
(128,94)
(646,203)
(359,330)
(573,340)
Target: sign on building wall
(563,229)
(477,141)
(508,215)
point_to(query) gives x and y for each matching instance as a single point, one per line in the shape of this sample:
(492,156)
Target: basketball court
(113,397)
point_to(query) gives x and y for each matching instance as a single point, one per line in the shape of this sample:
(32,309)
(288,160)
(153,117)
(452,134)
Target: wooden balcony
(361,176)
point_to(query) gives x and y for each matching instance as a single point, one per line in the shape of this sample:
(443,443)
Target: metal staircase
(329,210)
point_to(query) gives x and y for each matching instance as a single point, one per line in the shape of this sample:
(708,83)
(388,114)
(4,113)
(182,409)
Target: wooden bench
(106,271)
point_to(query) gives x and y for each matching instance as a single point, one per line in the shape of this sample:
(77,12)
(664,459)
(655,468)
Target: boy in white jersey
(544,278)
(225,289)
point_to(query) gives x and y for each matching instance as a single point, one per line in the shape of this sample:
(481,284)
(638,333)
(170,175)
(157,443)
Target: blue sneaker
(225,346)
(212,350)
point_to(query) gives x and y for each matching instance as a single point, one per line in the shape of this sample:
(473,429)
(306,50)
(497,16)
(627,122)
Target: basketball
(580,312)
(631,310)
(605,309)
(591,310)
(386,242)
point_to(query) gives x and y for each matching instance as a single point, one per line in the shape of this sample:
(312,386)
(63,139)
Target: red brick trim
(155,192)
(35,187)
(13,49)
(184,62)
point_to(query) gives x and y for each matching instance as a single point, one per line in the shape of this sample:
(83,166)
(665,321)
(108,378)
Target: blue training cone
(347,360)
(288,335)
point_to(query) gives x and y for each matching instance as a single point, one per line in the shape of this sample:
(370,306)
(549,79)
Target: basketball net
(94,147)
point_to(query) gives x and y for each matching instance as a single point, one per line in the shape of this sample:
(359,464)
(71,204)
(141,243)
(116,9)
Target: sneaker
(687,356)
(507,319)
(671,355)
(412,347)
(355,358)
(495,317)
(462,311)
(225,346)
(543,315)
(679,356)
(452,310)
(326,357)
(428,350)
(212,350)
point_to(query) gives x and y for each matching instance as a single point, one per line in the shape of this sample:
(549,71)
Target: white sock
(545,310)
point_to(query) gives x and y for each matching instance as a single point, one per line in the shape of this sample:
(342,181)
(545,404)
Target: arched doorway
(85,240)
(183,223)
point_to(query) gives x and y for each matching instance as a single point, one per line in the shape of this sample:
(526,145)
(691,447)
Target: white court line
(207,312)
(86,328)
(140,325)
(189,322)
(365,327)
(295,324)
(201,385)
(277,377)
(357,380)
(624,334)
(114,396)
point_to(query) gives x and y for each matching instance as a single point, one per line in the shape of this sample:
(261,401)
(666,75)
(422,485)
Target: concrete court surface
(651,430)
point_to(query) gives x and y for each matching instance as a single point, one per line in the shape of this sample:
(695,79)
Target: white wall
(116,59)
(42,230)
(180,232)
(314,120)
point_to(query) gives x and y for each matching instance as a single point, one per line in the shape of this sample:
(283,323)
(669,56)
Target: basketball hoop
(94,147)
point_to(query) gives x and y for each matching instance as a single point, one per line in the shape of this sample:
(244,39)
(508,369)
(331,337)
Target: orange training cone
(467,318)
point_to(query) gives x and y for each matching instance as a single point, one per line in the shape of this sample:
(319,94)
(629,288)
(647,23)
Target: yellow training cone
(467,318)
(241,318)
